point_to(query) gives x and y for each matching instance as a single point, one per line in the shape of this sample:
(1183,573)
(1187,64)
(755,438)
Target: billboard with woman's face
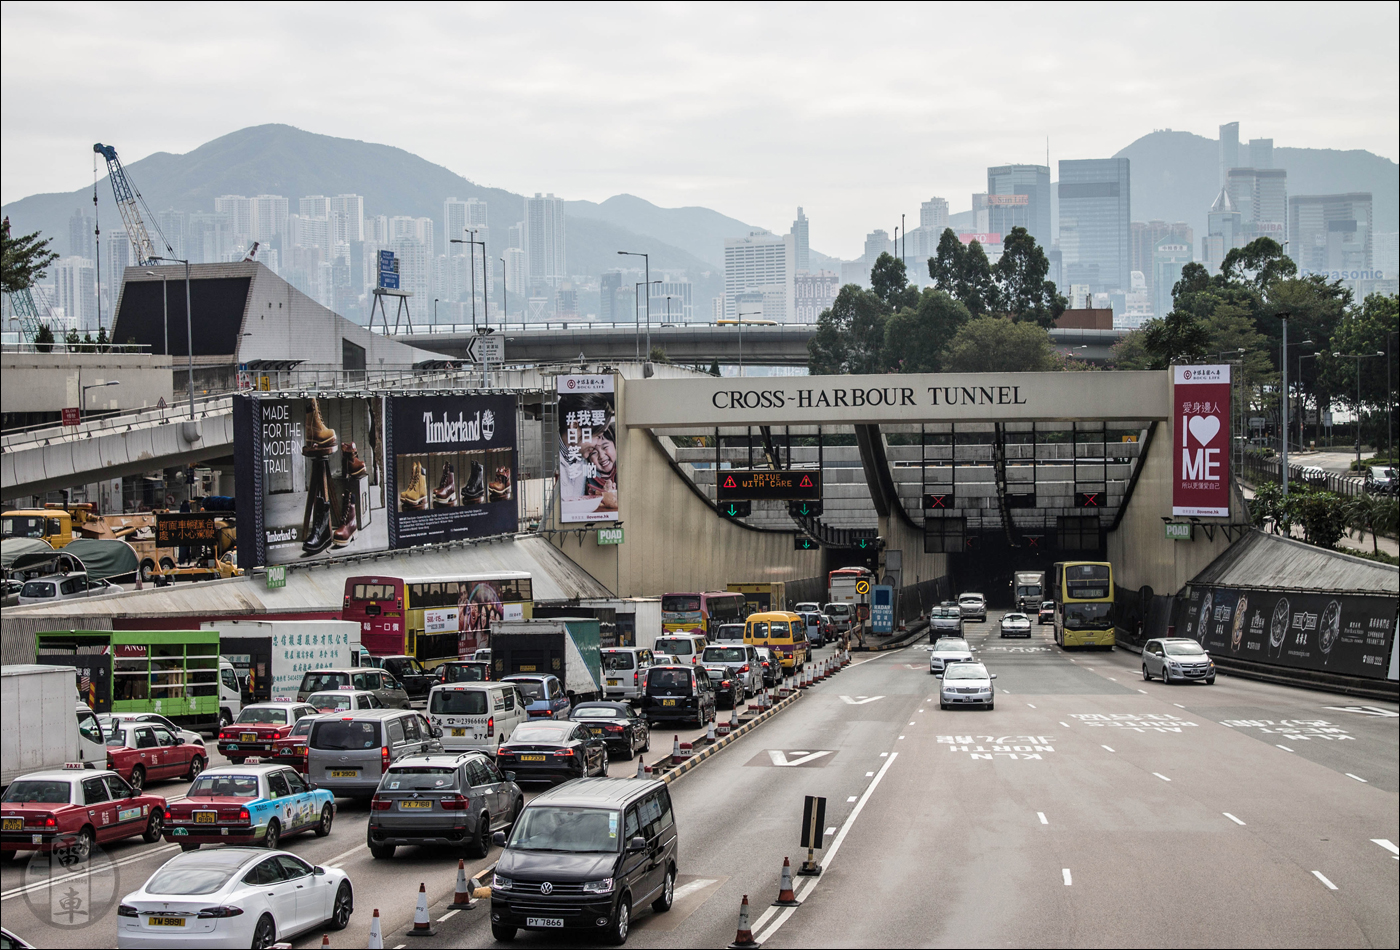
(588,485)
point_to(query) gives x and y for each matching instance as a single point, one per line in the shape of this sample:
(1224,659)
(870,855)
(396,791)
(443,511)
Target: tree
(995,344)
(1370,514)
(850,335)
(1131,353)
(1363,329)
(1259,263)
(1179,337)
(964,273)
(1025,294)
(889,281)
(23,260)
(1234,336)
(915,339)
(1322,514)
(714,368)
(43,339)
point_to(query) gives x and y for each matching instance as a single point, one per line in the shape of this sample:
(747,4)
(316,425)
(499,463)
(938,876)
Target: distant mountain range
(1174,177)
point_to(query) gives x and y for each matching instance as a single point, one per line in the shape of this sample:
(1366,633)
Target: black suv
(409,672)
(685,693)
(585,856)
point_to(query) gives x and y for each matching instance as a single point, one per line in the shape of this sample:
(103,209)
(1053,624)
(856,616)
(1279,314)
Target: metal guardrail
(58,346)
(1271,470)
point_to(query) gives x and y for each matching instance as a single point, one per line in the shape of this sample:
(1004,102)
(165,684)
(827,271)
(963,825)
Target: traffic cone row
(422,926)
(710,732)
(733,719)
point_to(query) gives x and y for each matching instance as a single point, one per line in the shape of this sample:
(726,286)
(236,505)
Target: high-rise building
(1385,253)
(681,306)
(460,217)
(813,293)
(269,217)
(800,239)
(416,259)
(174,225)
(934,214)
(81,238)
(351,209)
(1261,197)
(607,290)
(1169,256)
(1331,233)
(314,206)
(1261,153)
(877,242)
(1095,212)
(981,214)
(764,264)
(75,290)
(543,239)
(1229,149)
(517,284)
(515,235)
(1224,231)
(209,236)
(1145,238)
(240,216)
(1018,196)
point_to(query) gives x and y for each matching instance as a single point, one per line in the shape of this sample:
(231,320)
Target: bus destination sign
(767,485)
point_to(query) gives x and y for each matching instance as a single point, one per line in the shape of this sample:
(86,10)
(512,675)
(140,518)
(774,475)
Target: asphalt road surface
(1089,808)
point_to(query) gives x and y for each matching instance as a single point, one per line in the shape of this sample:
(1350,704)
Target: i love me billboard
(1201,449)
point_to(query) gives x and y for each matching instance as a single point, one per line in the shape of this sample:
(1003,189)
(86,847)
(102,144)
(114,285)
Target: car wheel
(646,746)
(138,778)
(992,705)
(503,933)
(265,934)
(189,846)
(1146,676)
(668,893)
(519,807)
(344,906)
(381,852)
(1210,680)
(480,842)
(942,705)
(225,719)
(79,850)
(155,827)
(1166,676)
(272,835)
(323,827)
(196,766)
(621,923)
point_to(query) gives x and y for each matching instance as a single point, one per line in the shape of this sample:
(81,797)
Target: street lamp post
(165,295)
(471,264)
(1283,429)
(82,395)
(1302,397)
(646,259)
(189,327)
(435,303)
(505,310)
(1358,357)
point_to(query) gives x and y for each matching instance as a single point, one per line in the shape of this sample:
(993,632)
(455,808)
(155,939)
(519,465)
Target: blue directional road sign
(882,608)
(388,270)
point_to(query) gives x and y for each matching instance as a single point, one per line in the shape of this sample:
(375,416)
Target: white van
(685,647)
(475,715)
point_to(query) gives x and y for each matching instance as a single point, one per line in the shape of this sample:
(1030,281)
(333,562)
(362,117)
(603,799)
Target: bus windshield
(1088,616)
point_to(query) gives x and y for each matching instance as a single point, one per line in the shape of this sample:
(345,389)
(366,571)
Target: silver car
(1015,624)
(946,651)
(452,799)
(624,671)
(349,754)
(1176,659)
(967,684)
(743,662)
(944,622)
(973,606)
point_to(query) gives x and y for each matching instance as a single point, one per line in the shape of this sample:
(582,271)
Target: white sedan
(1015,625)
(948,650)
(967,684)
(233,897)
(190,737)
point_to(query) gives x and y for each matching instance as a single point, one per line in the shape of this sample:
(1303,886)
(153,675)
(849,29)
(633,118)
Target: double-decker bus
(1083,595)
(700,612)
(434,618)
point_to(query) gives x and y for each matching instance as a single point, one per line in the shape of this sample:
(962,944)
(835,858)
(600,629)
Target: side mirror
(637,844)
(939,675)
(510,776)
(499,838)
(437,732)
(318,871)
(994,676)
(179,740)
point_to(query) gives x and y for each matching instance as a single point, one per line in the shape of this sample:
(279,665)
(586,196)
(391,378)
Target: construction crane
(27,312)
(130,204)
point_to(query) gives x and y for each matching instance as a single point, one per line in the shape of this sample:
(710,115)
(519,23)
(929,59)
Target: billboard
(588,488)
(323,478)
(1201,453)
(1342,633)
(1008,199)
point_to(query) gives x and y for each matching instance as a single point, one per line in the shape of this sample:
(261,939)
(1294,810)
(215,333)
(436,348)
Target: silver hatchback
(1178,659)
(453,799)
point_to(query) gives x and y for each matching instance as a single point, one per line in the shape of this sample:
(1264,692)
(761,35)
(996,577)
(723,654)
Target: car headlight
(501,883)
(604,886)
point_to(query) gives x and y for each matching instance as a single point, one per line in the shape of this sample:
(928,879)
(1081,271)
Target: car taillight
(384,759)
(282,732)
(225,735)
(379,804)
(50,821)
(454,803)
(490,726)
(744,668)
(564,752)
(167,815)
(225,911)
(243,814)
(612,728)
(504,753)
(126,910)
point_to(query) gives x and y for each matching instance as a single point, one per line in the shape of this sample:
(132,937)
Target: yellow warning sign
(862,587)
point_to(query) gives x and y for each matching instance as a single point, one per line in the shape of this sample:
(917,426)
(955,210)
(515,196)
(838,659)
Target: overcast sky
(856,112)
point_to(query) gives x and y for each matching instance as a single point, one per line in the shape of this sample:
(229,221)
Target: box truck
(272,655)
(45,725)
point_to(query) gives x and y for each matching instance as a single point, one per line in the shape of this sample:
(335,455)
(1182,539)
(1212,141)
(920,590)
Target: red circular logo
(570,384)
(1186,374)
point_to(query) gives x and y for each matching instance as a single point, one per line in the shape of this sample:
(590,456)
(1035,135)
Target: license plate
(345,773)
(668,702)
(14,824)
(205,817)
(596,731)
(614,682)
(166,921)
(300,750)
(459,732)
(415,804)
(247,737)
(544,921)
(532,758)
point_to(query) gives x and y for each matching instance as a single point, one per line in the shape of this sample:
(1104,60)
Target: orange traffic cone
(786,898)
(743,938)
(422,926)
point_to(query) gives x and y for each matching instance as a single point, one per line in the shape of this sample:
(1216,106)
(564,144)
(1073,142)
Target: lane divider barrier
(376,936)
(786,898)
(422,926)
(743,937)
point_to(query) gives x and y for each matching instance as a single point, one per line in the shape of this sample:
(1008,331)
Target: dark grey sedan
(617,724)
(452,799)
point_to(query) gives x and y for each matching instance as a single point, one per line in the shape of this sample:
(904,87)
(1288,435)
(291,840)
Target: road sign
(388,281)
(185,528)
(938,501)
(386,261)
(70,417)
(800,542)
(804,509)
(609,536)
(1088,499)
(491,348)
(160,403)
(1178,530)
(813,821)
(882,609)
(736,509)
(862,587)
(800,485)
(276,576)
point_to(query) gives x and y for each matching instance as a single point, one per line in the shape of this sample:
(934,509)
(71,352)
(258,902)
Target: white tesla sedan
(233,897)
(1015,624)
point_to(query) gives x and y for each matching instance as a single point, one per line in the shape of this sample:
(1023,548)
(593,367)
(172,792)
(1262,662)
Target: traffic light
(735,509)
(804,509)
(801,542)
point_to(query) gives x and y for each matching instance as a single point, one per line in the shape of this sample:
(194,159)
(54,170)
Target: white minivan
(685,647)
(475,715)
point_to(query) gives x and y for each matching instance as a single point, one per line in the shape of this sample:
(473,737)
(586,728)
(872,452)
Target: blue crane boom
(130,203)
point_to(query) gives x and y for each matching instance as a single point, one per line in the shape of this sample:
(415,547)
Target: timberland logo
(461,429)
(281,534)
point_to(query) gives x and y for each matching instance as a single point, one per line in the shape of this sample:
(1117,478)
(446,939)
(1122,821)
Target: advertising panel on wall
(322,477)
(1201,457)
(1350,634)
(588,489)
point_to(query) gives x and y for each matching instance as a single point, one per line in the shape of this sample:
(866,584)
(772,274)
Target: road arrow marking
(860,700)
(1367,711)
(780,758)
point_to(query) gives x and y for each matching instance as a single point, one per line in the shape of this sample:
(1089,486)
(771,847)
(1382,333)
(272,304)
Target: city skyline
(728,133)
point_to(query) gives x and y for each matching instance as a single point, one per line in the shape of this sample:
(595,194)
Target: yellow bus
(1083,595)
(782,632)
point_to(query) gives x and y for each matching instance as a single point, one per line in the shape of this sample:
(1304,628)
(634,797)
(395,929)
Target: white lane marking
(1319,875)
(1161,776)
(336,861)
(1389,846)
(851,799)
(1283,747)
(883,754)
(859,700)
(901,737)
(869,774)
(1065,724)
(1068,880)
(1367,711)
(1143,691)
(1113,678)
(1043,819)
(829,831)
(808,884)
(400,946)
(685,890)
(1358,778)
(449,915)
(28,888)
(911,722)
(1106,747)
(1232,817)
(1031,705)
(780,758)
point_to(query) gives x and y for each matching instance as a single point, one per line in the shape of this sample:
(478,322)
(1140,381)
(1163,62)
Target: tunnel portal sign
(743,484)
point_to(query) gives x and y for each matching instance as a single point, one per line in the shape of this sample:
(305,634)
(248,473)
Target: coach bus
(434,618)
(841,584)
(1083,595)
(700,612)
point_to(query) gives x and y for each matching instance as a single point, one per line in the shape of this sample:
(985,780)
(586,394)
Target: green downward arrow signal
(804,507)
(862,542)
(732,512)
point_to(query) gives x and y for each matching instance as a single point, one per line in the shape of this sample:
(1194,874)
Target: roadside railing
(1271,470)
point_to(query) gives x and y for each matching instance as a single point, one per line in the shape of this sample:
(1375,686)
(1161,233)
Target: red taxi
(291,751)
(142,752)
(71,809)
(260,725)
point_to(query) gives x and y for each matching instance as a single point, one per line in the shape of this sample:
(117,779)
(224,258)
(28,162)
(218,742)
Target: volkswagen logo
(546,888)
